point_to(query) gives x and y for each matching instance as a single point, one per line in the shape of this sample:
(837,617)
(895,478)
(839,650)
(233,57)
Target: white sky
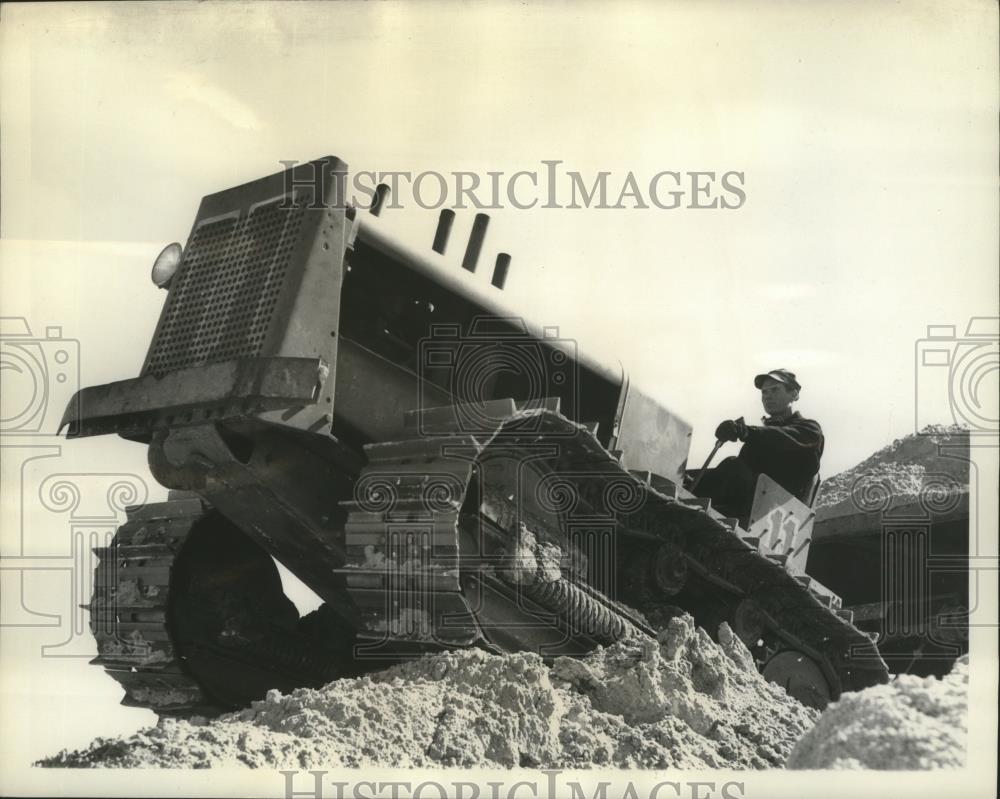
(866,131)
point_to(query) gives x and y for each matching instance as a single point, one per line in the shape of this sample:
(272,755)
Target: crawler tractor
(439,470)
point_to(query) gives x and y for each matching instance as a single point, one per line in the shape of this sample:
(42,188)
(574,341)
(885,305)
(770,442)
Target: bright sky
(866,133)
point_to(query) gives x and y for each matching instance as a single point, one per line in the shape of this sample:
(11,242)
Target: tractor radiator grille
(226,289)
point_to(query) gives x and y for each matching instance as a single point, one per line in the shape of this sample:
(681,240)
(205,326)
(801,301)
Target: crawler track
(190,618)
(528,536)
(431,532)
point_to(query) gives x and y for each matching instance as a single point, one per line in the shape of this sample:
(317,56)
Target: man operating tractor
(786,447)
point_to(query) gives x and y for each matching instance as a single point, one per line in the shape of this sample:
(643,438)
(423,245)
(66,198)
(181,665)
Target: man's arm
(799,437)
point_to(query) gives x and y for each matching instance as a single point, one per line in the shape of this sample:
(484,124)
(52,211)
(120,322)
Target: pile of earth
(677,701)
(911,723)
(932,464)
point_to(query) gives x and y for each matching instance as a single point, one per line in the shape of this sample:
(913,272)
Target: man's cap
(781,375)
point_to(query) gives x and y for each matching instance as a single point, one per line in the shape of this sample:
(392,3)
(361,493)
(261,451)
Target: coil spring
(583,613)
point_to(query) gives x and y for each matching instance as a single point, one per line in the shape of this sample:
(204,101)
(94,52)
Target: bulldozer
(441,471)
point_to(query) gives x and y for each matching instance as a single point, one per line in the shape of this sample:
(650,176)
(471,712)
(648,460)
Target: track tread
(129,618)
(716,547)
(139,655)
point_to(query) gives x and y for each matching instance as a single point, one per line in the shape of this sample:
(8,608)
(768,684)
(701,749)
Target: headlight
(166,264)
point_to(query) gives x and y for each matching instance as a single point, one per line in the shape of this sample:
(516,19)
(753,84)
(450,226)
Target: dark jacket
(787,451)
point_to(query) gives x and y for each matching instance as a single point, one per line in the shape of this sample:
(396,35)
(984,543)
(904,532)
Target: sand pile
(680,701)
(911,723)
(934,462)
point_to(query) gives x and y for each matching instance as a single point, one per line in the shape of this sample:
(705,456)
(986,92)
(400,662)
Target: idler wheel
(800,676)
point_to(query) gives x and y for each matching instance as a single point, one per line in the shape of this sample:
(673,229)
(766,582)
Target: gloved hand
(727,431)
(732,430)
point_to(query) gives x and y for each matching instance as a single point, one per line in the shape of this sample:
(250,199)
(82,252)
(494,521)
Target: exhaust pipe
(500,270)
(475,245)
(381,192)
(443,231)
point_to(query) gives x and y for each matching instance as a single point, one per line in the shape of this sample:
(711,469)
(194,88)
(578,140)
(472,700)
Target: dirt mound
(933,463)
(911,723)
(681,701)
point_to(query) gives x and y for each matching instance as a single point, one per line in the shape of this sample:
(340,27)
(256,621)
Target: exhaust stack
(475,245)
(381,192)
(500,270)
(443,231)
